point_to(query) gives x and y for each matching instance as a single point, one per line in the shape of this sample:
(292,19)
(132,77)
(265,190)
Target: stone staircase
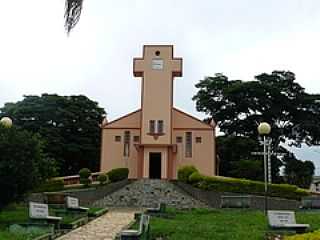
(148,193)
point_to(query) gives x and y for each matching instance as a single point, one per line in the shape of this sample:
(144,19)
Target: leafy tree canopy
(23,164)
(239,106)
(236,159)
(68,124)
(298,172)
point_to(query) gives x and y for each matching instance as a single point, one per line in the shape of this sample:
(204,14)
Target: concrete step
(148,193)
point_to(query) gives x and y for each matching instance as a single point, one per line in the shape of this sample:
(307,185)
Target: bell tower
(157,68)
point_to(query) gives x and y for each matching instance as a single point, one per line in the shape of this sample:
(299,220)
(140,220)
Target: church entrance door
(155,165)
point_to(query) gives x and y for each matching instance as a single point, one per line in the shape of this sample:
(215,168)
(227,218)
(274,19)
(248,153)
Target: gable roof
(130,120)
(185,120)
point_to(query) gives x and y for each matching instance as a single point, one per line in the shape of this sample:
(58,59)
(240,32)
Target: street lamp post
(264,129)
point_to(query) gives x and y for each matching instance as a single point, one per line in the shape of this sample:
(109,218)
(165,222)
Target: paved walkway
(103,228)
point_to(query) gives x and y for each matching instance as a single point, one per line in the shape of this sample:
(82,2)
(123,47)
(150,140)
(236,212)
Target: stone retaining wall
(213,199)
(86,196)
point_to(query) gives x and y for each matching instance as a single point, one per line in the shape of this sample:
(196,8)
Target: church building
(157,139)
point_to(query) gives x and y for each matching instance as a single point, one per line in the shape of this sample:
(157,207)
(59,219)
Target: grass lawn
(220,224)
(11,215)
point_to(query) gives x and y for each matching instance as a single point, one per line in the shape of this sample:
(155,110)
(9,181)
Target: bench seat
(285,220)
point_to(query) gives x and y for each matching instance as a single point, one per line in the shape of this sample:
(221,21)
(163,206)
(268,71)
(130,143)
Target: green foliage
(85,173)
(185,172)
(68,124)
(50,186)
(236,160)
(22,163)
(306,236)
(102,179)
(276,98)
(118,174)
(195,177)
(28,232)
(298,172)
(235,185)
(238,106)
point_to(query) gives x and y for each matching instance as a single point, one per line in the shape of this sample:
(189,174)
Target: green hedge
(50,186)
(118,174)
(186,171)
(235,185)
(306,236)
(102,179)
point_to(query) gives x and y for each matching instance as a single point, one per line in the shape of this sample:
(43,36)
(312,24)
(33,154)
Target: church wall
(112,154)
(203,154)
(183,120)
(131,120)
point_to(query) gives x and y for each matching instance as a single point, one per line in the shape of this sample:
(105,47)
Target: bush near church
(185,171)
(235,185)
(102,179)
(85,173)
(118,174)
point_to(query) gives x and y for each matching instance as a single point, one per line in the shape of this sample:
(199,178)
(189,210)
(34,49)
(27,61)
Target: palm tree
(72,14)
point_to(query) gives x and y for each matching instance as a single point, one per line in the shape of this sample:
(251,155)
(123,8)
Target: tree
(298,172)
(239,106)
(276,98)
(72,13)
(236,159)
(23,164)
(68,124)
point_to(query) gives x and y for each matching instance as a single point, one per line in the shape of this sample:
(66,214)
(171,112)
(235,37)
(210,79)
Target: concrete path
(103,228)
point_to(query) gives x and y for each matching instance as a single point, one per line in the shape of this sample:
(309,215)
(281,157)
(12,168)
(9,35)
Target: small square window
(198,139)
(160,126)
(152,126)
(179,139)
(117,138)
(136,138)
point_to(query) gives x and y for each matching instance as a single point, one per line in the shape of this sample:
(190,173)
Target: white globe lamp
(264,128)
(6,122)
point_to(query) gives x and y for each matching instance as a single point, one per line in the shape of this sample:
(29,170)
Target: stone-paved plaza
(105,227)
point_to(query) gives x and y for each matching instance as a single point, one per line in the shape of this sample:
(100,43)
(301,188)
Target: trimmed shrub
(118,174)
(235,185)
(102,179)
(195,177)
(50,186)
(185,172)
(85,173)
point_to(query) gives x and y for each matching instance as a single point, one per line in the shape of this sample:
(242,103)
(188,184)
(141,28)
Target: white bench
(73,204)
(141,233)
(40,211)
(285,220)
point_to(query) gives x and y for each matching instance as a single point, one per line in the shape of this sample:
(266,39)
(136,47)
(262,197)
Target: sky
(239,38)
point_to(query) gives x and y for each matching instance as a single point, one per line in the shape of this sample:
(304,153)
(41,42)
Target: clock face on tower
(157,64)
